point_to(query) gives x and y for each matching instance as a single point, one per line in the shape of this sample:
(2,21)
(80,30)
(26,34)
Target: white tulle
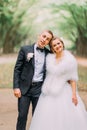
(55,110)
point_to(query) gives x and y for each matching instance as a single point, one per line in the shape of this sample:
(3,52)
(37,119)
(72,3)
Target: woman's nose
(57,45)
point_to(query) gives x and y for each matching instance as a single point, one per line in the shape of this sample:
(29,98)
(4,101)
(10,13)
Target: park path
(8,58)
(82,61)
(12,58)
(8,109)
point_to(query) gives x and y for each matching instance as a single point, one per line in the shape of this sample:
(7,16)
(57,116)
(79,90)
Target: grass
(6,76)
(82,83)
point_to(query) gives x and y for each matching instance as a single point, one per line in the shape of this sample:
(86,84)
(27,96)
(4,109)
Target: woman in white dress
(60,106)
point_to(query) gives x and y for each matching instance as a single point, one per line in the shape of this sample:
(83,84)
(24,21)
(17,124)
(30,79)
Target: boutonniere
(29,56)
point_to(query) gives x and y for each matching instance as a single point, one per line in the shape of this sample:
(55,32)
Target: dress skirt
(59,112)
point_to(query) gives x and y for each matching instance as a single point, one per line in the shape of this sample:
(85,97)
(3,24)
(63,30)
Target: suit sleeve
(18,68)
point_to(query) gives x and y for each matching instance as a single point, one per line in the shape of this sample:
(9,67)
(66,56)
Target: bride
(60,106)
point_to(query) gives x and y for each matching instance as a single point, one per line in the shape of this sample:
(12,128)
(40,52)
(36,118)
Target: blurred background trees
(22,20)
(13,27)
(73,23)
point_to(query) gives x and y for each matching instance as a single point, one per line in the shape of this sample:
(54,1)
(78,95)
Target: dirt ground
(8,109)
(8,103)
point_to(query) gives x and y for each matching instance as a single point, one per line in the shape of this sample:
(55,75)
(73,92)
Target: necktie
(41,49)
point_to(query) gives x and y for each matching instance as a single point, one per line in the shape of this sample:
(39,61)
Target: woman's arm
(74,96)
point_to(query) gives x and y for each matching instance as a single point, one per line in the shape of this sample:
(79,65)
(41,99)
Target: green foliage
(13,26)
(71,19)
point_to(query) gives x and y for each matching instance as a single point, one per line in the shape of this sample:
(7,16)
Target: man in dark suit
(29,74)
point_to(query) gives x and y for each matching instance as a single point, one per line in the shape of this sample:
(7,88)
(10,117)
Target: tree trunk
(81,47)
(8,46)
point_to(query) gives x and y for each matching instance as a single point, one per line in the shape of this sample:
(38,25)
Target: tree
(73,22)
(12,16)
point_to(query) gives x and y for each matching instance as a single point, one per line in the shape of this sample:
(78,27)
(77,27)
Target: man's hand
(17,92)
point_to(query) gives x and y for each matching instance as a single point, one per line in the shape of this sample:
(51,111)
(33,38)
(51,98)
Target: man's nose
(44,39)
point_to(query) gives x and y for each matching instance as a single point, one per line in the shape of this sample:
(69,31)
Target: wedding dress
(55,110)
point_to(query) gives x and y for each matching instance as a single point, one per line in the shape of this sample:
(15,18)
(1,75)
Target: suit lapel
(32,50)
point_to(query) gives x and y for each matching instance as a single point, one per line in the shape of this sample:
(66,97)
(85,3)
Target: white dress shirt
(39,60)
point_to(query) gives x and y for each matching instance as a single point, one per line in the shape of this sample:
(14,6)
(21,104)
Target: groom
(29,74)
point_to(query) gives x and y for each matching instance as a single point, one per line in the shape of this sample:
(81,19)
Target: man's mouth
(42,43)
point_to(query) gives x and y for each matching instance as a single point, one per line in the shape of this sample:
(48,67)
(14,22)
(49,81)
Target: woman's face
(57,46)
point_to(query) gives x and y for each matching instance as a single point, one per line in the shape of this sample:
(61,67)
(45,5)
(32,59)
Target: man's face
(44,39)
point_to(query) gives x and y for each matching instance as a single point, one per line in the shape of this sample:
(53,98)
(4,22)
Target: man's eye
(58,43)
(44,36)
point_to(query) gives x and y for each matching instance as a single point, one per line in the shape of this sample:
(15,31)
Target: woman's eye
(58,43)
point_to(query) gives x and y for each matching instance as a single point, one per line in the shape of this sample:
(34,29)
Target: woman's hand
(74,99)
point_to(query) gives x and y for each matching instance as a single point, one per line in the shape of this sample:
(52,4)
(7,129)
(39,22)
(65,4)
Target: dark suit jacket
(24,69)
